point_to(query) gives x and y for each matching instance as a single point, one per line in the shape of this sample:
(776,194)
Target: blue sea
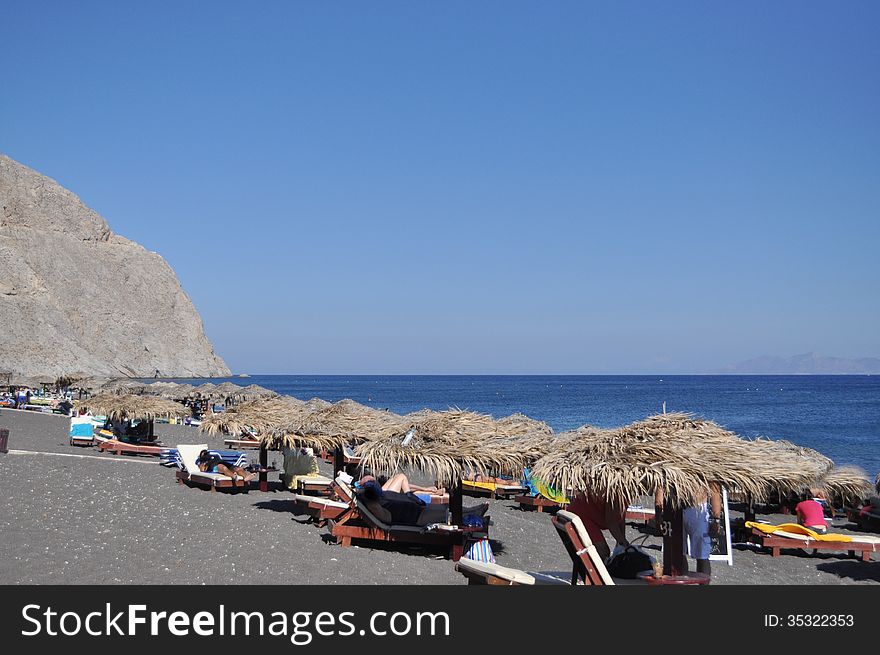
(837,415)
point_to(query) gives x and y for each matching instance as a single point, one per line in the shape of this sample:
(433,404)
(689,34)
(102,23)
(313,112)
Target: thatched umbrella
(132,407)
(844,485)
(129,407)
(333,427)
(260,416)
(446,446)
(682,456)
(172,390)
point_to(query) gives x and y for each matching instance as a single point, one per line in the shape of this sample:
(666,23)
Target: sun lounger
(587,564)
(491,489)
(537,503)
(242,443)
(82,431)
(358,522)
(639,514)
(793,535)
(117,447)
(191,474)
(864,517)
(485,573)
(320,508)
(313,484)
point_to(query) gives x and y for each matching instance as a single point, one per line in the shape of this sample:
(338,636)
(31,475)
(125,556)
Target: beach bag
(481,551)
(628,563)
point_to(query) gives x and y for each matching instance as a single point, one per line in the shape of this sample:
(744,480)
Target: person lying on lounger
(398,508)
(401,484)
(209,462)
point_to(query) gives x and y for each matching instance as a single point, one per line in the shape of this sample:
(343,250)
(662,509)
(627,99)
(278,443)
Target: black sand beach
(77,516)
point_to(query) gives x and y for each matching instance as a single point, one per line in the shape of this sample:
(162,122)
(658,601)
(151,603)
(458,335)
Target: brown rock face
(76,298)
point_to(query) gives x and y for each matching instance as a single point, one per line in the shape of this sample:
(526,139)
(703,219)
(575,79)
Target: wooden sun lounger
(866,520)
(485,573)
(587,564)
(314,485)
(242,443)
(537,503)
(320,508)
(121,448)
(503,491)
(639,515)
(776,542)
(357,522)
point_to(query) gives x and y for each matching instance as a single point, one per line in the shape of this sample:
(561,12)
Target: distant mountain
(806,364)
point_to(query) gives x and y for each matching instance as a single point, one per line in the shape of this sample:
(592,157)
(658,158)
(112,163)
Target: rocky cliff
(76,298)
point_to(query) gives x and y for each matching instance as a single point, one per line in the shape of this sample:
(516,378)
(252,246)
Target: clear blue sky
(475,187)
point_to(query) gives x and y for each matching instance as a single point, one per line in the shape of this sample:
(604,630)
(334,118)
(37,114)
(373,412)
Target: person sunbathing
(396,508)
(401,484)
(209,462)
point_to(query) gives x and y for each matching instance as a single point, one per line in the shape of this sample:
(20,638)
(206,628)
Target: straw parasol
(445,445)
(334,426)
(130,407)
(844,485)
(681,455)
(260,416)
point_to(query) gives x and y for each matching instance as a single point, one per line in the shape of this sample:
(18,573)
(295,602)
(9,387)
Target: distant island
(806,364)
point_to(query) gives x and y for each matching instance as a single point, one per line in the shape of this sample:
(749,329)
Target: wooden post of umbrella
(264,464)
(338,460)
(152,435)
(673,540)
(455,503)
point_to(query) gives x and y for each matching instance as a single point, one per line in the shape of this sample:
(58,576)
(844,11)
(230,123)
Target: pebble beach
(74,515)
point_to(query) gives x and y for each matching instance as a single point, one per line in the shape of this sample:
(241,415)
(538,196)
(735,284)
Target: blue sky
(461,187)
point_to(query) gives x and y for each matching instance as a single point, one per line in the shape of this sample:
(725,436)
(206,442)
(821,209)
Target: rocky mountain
(806,364)
(77,298)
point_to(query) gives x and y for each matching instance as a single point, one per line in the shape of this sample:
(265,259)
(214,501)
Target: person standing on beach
(597,514)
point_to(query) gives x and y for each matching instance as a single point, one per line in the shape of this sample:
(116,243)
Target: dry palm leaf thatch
(129,407)
(335,426)
(260,416)
(681,455)
(520,424)
(844,486)
(172,390)
(443,445)
(123,386)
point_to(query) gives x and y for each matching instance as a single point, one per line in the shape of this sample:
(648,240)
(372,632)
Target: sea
(838,415)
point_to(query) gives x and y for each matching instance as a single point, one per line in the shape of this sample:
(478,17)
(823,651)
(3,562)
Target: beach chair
(191,475)
(242,443)
(494,489)
(796,536)
(485,573)
(867,517)
(320,508)
(82,431)
(638,514)
(117,447)
(587,564)
(358,522)
(537,503)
